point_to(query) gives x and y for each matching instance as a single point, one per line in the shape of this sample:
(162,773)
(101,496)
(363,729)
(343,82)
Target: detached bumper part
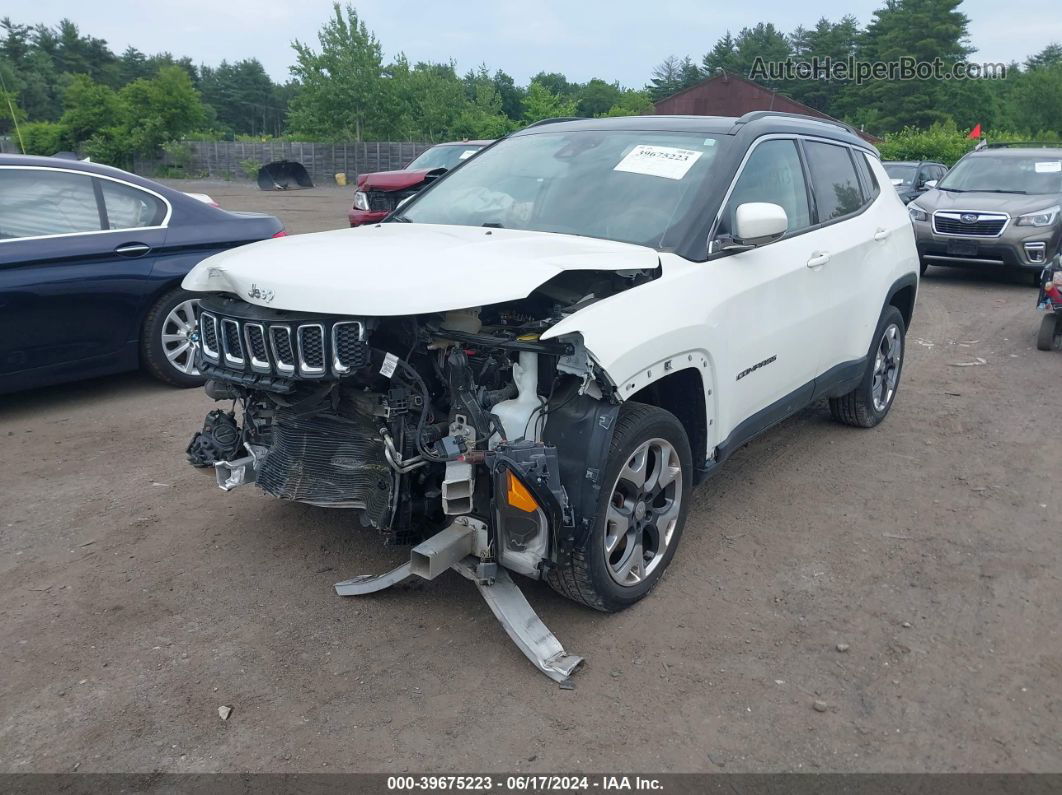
(240,471)
(462,547)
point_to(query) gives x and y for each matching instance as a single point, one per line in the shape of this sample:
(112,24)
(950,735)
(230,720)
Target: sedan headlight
(917,213)
(361,200)
(1039,218)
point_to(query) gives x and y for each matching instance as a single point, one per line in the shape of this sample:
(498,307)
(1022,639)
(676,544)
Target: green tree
(632,103)
(1051,55)
(541,103)
(666,78)
(243,97)
(483,117)
(597,97)
(88,107)
(828,42)
(1035,101)
(918,29)
(343,93)
(722,57)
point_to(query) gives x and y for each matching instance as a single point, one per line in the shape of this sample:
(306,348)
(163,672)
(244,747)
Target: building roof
(727,94)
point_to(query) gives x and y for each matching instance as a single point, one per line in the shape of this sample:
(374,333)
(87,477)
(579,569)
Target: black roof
(760,122)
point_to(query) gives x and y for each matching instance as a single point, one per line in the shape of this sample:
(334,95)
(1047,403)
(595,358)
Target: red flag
(976,131)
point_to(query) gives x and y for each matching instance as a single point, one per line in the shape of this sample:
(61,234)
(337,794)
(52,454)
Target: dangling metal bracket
(459,547)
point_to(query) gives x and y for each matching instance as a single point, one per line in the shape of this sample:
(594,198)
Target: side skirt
(834,382)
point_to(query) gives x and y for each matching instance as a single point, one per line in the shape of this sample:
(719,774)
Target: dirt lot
(136,598)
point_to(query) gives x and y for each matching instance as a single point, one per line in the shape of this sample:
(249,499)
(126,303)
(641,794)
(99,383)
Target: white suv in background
(544,350)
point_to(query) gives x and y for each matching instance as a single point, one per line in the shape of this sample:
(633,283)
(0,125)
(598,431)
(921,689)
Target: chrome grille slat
(208,336)
(231,342)
(283,354)
(256,347)
(310,340)
(347,351)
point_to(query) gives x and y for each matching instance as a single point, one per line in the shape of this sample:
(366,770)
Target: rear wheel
(641,513)
(1050,334)
(867,404)
(166,344)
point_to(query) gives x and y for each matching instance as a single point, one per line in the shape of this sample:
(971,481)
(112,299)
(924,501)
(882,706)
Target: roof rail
(756,115)
(1019,144)
(540,122)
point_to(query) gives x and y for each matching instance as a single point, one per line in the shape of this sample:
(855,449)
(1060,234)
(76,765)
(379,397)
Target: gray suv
(999,206)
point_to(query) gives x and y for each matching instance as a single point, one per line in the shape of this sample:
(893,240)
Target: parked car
(912,178)
(549,346)
(998,206)
(91,261)
(379,193)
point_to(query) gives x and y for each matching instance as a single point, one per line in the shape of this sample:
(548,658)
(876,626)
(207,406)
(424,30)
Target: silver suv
(999,206)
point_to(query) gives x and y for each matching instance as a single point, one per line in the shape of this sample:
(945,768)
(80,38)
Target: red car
(379,193)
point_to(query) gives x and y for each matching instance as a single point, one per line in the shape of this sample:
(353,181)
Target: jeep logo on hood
(260,293)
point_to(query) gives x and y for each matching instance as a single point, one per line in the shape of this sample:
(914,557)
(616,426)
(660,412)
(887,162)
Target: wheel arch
(685,394)
(902,295)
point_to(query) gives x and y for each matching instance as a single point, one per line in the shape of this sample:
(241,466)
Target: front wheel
(641,513)
(867,404)
(166,344)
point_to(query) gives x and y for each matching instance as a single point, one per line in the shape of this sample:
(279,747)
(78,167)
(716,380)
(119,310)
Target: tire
(169,317)
(867,404)
(647,440)
(923,266)
(1050,330)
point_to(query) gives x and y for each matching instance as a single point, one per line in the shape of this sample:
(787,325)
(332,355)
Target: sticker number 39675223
(658,161)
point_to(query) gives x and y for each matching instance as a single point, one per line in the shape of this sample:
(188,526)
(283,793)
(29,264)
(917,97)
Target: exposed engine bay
(409,422)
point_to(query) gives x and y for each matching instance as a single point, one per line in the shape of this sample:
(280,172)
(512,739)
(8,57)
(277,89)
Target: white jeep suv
(533,361)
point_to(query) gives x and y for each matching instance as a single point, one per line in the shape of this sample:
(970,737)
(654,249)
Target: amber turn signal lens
(517,495)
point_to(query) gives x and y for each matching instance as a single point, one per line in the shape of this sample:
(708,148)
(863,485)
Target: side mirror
(930,183)
(759,223)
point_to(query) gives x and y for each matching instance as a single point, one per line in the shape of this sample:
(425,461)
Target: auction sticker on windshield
(1049,167)
(658,161)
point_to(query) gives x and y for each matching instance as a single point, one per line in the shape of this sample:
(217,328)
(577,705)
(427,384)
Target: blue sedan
(91,262)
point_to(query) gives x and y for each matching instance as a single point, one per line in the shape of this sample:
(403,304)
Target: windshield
(444,156)
(904,172)
(1006,174)
(628,186)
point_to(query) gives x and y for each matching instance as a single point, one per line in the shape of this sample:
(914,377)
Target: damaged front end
(412,422)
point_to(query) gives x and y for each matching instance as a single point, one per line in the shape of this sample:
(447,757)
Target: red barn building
(728,94)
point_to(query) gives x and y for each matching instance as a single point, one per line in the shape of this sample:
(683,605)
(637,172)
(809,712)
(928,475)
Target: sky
(618,40)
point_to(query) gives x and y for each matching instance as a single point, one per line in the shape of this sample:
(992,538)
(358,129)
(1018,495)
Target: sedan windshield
(630,186)
(904,172)
(444,156)
(1006,174)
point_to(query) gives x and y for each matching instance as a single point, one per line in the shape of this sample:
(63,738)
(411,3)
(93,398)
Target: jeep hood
(404,268)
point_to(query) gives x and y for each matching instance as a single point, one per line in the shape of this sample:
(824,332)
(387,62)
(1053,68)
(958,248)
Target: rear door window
(39,202)
(833,177)
(129,207)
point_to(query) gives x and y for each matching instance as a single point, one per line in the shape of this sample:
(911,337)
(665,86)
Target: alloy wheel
(887,367)
(643,512)
(177,337)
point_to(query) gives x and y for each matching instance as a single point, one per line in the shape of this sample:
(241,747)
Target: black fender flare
(581,428)
(905,281)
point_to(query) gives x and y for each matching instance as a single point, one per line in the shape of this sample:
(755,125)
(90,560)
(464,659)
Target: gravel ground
(884,600)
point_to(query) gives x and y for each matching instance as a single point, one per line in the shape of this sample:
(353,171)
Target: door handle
(132,250)
(818,259)
(881,234)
